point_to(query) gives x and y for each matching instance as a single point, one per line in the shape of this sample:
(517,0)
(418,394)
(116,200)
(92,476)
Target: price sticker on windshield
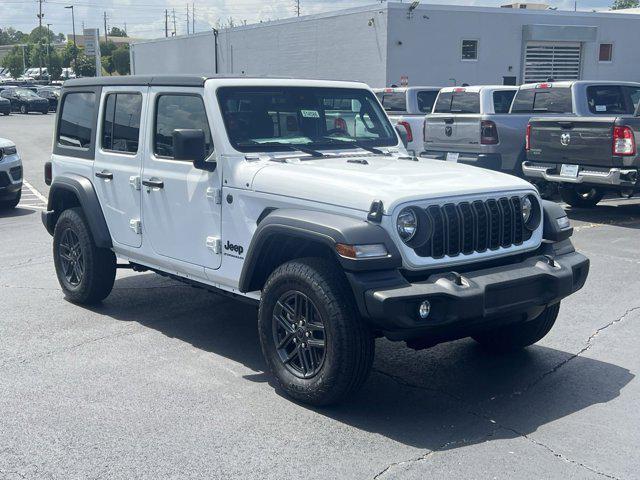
(310,113)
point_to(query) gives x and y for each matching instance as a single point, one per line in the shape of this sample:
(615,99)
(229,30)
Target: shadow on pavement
(626,214)
(432,399)
(15,212)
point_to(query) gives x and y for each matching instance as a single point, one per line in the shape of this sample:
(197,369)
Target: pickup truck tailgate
(583,141)
(445,131)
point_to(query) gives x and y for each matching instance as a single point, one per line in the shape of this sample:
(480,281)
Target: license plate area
(452,157)
(569,171)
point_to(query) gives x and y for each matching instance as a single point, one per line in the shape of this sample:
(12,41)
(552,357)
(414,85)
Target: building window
(469,49)
(606,52)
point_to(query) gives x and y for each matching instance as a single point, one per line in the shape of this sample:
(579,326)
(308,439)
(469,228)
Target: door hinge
(214,244)
(214,194)
(135,182)
(136,226)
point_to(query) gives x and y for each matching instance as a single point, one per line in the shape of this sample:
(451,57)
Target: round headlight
(527,209)
(530,212)
(407,224)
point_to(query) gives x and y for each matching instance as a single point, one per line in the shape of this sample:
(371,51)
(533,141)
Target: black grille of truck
(471,227)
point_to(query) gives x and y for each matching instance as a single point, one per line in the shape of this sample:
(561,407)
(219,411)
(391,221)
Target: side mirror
(189,145)
(403,135)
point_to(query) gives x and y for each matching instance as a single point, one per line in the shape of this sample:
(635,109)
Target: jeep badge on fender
(339,236)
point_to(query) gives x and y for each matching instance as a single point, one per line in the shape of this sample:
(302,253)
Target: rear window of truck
(426,99)
(458,102)
(612,99)
(548,100)
(502,100)
(393,101)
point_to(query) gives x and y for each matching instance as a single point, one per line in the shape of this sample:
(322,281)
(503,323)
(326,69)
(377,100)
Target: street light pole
(75,44)
(49,50)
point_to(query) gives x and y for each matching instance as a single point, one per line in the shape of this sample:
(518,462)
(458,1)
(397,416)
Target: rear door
(118,161)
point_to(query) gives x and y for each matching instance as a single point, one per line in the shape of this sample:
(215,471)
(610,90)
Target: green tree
(116,32)
(41,34)
(107,64)
(55,65)
(68,54)
(14,62)
(620,4)
(107,48)
(11,36)
(86,66)
(120,59)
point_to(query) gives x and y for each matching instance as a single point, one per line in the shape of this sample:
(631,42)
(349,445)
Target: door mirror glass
(190,145)
(403,135)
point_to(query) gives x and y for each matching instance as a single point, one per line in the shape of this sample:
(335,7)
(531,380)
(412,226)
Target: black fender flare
(551,230)
(325,228)
(82,188)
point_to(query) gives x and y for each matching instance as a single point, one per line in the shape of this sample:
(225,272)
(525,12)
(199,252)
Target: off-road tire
(519,335)
(99,264)
(349,343)
(580,197)
(11,203)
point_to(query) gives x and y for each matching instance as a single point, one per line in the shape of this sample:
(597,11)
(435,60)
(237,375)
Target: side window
(76,120)
(634,96)
(178,111)
(443,103)
(426,100)
(121,125)
(606,99)
(502,100)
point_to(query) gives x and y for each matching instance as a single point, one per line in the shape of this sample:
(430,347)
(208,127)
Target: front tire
(85,272)
(313,340)
(23,109)
(519,335)
(11,203)
(581,197)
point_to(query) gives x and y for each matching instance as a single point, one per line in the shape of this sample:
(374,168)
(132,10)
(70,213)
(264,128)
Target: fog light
(424,310)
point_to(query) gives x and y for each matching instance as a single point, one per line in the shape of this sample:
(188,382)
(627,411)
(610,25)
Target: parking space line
(32,198)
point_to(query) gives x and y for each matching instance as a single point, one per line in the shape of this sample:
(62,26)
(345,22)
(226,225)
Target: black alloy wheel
(299,334)
(71,258)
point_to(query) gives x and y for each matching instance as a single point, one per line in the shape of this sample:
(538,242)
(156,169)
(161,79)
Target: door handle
(105,174)
(448,120)
(153,183)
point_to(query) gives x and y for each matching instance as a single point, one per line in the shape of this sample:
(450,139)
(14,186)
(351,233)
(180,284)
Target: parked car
(594,151)
(24,100)
(472,125)
(336,238)
(52,94)
(10,174)
(406,107)
(5,106)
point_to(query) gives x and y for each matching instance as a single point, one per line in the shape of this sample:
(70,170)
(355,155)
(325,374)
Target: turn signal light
(624,142)
(407,127)
(488,133)
(527,138)
(358,252)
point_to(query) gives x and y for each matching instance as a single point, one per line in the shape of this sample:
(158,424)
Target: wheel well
(281,248)
(63,200)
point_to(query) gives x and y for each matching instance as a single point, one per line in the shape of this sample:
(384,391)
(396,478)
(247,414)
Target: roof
(478,88)
(569,83)
(406,89)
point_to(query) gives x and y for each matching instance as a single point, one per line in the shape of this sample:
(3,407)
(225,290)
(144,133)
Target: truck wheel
(11,203)
(519,335)
(314,341)
(85,272)
(581,197)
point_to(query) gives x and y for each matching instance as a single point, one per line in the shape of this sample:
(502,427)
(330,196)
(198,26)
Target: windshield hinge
(214,244)
(215,194)
(134,181)
(136,226)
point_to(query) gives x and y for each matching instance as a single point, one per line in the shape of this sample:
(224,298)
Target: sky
(145,18)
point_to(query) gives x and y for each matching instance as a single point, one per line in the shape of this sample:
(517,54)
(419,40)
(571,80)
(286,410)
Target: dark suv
(24,100)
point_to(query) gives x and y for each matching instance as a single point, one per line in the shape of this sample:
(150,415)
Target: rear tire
(11,203)
(519,335)
(327,315)
(23,109)
(581,197)
(85,272)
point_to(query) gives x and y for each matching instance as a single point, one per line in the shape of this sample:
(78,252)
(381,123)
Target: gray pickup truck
(485,126)
(593,151)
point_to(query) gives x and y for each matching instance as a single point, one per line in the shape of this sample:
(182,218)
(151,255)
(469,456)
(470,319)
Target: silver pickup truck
(485,126)
(406,108)
(593,151)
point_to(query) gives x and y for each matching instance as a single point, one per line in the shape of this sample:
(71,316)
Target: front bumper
(612,177)
(5,108)
(491,161)
(10,177)
(481,300)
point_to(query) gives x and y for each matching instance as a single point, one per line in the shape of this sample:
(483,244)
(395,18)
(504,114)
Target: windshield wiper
(355,143)
(291,147)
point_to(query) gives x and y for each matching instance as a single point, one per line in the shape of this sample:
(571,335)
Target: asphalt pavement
(165,381)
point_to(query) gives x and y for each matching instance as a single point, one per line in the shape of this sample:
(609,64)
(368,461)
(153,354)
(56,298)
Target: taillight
(527,138)
(407,127)
(624,142)
(488,133)
(340,124)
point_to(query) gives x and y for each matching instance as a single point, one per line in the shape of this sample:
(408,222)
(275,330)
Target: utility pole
(49,50)
(105,27)
(75,44)
(187,19)
(175,32)
(125,28)
(193,18)
(298,8)
(166,23)
(40,15)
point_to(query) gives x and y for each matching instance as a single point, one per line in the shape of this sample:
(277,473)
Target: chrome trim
(612,176)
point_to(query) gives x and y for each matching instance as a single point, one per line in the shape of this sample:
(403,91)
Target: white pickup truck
(406,107)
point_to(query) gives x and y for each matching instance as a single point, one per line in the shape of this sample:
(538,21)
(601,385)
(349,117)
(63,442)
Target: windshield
(26,93)
(262,119)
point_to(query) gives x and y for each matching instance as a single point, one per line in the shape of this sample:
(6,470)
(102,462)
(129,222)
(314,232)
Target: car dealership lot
(166,381)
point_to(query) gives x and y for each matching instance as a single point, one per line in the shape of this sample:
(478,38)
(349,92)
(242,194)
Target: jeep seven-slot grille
(478,226)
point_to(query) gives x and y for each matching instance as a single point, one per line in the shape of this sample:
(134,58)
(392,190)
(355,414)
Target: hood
(345,183)
(6,143)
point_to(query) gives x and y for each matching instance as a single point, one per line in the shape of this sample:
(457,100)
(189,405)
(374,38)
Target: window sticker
(310,113)
(601,108)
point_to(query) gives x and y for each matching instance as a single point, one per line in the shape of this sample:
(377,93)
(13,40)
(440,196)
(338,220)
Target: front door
(180,204)
(118,161)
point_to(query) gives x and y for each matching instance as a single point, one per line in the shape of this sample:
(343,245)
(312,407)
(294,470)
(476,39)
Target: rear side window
(454,102)
(395,101)
(502,100)
(179,111)
(426,100)
(551,100)
(76,120)
(121,124)
(612,99)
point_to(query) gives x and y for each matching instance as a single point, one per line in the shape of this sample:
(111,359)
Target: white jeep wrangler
(299,196)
